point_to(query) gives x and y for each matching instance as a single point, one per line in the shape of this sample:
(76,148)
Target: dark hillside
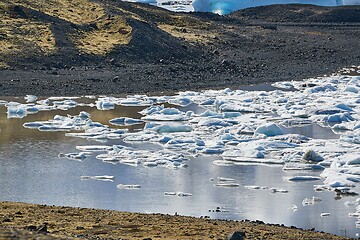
(73,47)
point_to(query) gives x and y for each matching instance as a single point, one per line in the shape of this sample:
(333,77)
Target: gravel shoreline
(32,221)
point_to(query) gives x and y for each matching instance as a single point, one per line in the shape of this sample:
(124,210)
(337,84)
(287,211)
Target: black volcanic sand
(265,44)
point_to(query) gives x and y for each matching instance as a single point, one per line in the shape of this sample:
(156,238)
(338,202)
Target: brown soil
(28,221)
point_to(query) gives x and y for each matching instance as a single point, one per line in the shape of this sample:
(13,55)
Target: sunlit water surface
(32,172)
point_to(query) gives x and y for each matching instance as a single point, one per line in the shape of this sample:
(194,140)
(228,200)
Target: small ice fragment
(128,186)
(84,115)
(311,155)
(223,163)
(227,184)
(101,178)
(30,98)
(269,129)
(311,201)
(170,193)
(294,208)
(183,194)
(125,121)
(355,214)
(254,187)
(183,102)
(302,178)
(94,148)
(150,164)
(278,190)
(222,179)
(173,128)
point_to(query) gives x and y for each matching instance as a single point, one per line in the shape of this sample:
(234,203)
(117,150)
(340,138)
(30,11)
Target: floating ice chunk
(140,137)
(351,159)
(208,122)
(180,101)
(302,166)
(231,114)
(223,179)
(338,117)
(134,102)
(152,110)
(173,128)
(245,152)
(344,107)
(311,155)
(33,125)
(209,113)
(125,121)
(167,114)
(238,108)
(226,184)
(150,164)
(16,111)
(283,85)
(183,194)
(302,178)
(311,201)
(269,129)
(340,127)
(223,163)
(335,179)
(324,88)
(128,186)
(212,150)
(66,102)
(75,156)
(278,190)
(101,178)
(255,187)
(353,137)
(292,138)
(94,148)
(84,115)
(105,104)
(352,89)
(30,98)
(170,193)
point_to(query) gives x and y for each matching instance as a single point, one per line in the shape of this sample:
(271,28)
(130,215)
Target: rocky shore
(31,221)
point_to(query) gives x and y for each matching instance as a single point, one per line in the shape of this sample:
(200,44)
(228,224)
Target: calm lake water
(32,172)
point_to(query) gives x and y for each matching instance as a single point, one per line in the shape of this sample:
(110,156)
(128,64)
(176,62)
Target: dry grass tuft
(191,35)
(108,33)
(23,36)
(74,11)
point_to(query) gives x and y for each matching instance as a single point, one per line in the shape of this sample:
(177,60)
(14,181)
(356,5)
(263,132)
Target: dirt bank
(30,221)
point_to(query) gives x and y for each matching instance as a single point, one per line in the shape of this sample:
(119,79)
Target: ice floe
(128,186)
(100,178)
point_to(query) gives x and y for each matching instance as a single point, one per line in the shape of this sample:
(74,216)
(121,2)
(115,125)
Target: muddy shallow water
(31,171)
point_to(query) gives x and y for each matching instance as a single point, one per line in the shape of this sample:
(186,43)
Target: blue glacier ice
(228,6)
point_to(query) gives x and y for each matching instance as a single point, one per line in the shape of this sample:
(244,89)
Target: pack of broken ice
(228,6)
(236,126)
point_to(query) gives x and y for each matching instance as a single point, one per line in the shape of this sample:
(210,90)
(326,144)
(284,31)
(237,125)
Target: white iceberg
(269,129)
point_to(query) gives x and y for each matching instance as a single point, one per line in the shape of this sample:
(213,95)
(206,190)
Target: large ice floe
(237,127)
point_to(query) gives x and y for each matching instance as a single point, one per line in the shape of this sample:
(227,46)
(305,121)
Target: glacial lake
(32,171)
